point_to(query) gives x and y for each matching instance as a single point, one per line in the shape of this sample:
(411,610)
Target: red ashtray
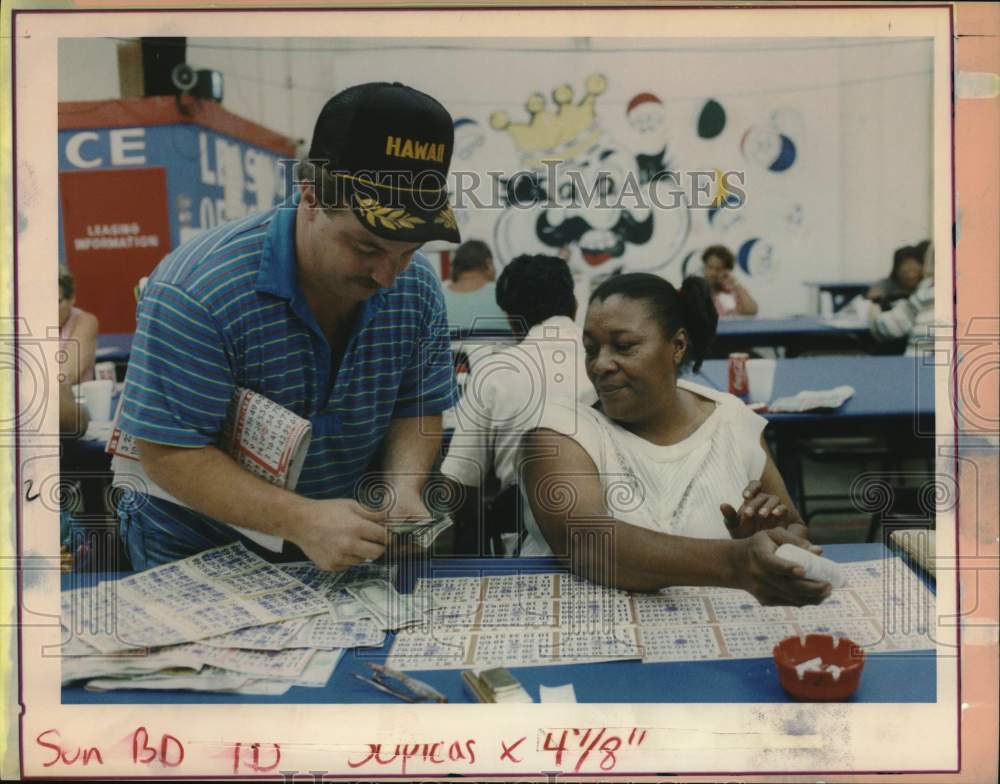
(836,674)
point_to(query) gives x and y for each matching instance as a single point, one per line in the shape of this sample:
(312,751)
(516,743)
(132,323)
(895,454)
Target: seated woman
(907,272)
(910,318)
(729,296)
(675,476)
(77,333)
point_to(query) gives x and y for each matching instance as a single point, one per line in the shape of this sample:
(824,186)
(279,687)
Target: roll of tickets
(817,567)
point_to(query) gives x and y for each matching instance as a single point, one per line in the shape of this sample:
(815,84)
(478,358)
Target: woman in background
(509,389)
(675,476)
(77,334)
(728,295)
(911,317)
(907,272)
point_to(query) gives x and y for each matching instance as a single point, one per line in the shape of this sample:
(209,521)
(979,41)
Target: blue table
(904,677)
(893,397)
(795,334)
(841,292)
(114,346)
(884,387)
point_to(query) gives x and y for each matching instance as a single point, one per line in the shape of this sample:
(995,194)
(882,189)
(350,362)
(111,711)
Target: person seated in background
(508,390)
(728,295)
(674,477)
(907,272)
(912,316)
(470,298)
(77,333)
(73,422)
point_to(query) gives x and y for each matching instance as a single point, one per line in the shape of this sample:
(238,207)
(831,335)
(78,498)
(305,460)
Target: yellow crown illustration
(555,135)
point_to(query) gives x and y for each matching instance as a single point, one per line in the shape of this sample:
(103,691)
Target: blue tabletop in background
(899,677)
(791,326)
(895,386)
(114,346)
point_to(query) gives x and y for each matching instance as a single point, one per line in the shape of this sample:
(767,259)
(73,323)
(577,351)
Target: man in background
(470,298)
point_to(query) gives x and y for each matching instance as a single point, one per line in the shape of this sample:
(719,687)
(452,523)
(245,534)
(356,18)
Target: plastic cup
(760,379)
(98,395)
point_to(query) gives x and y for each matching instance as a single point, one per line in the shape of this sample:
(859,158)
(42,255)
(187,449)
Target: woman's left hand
(759,511)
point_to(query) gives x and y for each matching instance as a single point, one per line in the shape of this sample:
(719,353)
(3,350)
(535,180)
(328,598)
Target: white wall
(858,112)
(885,149)
(88,69)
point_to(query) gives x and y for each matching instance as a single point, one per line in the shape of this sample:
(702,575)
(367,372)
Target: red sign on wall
(116,230)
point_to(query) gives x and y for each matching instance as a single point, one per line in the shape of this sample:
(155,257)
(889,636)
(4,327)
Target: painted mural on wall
(577,191)
(572,141)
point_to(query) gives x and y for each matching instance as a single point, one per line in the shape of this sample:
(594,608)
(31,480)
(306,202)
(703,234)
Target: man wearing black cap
(321,305)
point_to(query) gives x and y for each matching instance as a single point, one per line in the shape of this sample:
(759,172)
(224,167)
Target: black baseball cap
(383,149)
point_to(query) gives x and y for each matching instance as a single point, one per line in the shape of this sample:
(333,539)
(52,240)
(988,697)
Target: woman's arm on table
(564,489)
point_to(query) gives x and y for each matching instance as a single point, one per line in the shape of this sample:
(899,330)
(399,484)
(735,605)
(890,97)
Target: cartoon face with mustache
(607,210)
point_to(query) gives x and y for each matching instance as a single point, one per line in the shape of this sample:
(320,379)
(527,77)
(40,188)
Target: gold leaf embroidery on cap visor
(447,219)
(389,218)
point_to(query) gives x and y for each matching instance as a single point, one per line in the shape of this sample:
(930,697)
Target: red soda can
(738,383)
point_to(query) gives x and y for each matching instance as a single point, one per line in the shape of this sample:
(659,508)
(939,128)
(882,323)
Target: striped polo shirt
(226,310)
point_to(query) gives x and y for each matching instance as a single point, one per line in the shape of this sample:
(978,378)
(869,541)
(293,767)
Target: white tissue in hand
(817,567)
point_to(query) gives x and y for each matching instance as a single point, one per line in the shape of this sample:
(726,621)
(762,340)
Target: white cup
(98,396)
(760,378)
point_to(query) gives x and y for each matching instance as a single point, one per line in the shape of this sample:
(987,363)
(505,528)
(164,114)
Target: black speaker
(159,58)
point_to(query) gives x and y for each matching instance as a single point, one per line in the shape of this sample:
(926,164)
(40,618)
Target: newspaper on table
(75,668)
(216,679)
(211,593)
(222,620)
(264,438)
(206,680)
(813,400)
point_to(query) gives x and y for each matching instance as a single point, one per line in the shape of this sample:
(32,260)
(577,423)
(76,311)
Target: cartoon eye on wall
(711,120)
(767,148)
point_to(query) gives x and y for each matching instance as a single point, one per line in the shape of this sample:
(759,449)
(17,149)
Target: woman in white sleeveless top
(77,334)
(664,482)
